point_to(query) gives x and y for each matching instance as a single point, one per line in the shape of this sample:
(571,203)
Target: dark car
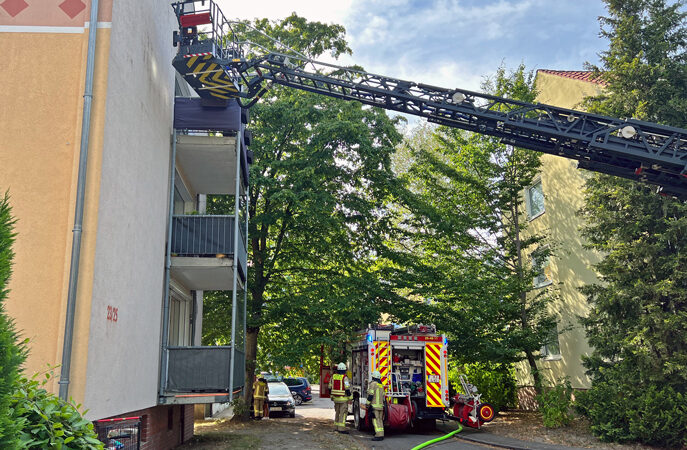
(280,400)
(300,389)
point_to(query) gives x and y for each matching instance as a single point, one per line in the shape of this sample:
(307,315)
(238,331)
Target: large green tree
(319,182)
(12,352)
(466,239)
(637,323)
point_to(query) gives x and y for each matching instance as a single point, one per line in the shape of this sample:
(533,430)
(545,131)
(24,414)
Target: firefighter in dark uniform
(260,391)
(375,398)
(340,393)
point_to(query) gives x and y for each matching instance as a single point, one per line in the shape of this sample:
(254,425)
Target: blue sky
(451,43)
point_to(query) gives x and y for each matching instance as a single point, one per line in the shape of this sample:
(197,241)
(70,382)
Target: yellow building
(137,292)
(551,203)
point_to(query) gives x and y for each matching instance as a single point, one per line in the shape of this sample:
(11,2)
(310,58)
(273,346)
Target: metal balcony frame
(164,359)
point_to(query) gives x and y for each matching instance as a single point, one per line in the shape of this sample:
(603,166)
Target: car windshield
(279,389)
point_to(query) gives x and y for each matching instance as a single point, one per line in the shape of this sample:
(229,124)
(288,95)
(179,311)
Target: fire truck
(413,363)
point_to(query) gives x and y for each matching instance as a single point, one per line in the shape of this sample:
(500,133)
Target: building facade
(551,204)
(147,252)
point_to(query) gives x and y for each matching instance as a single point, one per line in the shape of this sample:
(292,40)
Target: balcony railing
(203,369)
(208,236)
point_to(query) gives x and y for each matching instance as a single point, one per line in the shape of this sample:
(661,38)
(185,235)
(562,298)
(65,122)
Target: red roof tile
(582,75)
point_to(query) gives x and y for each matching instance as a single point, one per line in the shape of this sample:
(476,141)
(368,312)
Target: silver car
(279,399)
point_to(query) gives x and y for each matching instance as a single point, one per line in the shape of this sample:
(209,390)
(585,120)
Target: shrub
(12,352)
(46,421)
(625,411)
(555,405)
(496,382)
(240,409)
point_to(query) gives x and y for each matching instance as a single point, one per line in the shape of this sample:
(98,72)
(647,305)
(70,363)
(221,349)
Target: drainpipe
(78,213)
(168,267)
(239,143)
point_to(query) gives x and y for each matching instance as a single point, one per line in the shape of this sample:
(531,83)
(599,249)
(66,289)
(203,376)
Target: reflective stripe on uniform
(338,388)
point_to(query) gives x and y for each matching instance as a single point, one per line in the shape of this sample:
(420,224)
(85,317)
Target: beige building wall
(42,100)
(115,363)
(570,264)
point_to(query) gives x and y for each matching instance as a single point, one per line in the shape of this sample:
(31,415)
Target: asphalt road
(323,408)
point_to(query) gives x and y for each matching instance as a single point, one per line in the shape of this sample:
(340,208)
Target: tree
(467,241)
(320,177)
(12,352)
(637,322)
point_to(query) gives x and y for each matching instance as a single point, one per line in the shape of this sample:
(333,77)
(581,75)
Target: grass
(223,439)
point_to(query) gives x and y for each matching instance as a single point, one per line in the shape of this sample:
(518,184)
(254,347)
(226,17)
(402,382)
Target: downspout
(78,213)
(168,267)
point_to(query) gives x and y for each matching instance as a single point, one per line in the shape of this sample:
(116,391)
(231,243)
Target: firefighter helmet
(376,375)
(341,366)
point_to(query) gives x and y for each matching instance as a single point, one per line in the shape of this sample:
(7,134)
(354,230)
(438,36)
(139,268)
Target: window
(180,309)
(551,349)
(540,263)
(534,198)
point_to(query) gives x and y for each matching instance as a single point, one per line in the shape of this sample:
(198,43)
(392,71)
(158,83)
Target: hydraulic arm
(629,148)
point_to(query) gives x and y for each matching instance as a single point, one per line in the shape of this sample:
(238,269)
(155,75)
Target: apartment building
(121,313)
(551,203)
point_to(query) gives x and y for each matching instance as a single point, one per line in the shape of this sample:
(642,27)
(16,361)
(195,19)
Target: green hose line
(433,441)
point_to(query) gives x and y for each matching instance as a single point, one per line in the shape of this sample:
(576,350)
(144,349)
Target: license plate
(276,408)
(433,378)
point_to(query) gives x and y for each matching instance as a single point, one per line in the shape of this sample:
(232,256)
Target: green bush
(555,405)
(496,382)
(628,412)
(12,352)
(46,421)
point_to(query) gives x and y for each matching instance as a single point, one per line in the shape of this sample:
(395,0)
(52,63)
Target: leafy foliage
(12,352)
(638,317)
(46,421)
(619,411)
(320,178)
(464,246)
(496,382)
(555,405)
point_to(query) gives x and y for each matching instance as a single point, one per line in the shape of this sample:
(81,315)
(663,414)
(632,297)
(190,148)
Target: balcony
(201,374)
(203,252)
(208,163)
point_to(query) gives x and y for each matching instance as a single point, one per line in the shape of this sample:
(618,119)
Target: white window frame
(546,350)
(528,202)
(547,263)
(180,316)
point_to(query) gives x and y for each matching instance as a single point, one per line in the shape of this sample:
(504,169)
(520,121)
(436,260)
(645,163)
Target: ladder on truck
(212,60)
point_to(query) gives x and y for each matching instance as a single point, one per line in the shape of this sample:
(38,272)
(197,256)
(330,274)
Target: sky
(450,43)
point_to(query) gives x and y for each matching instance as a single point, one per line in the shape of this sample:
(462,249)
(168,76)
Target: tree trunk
(251,354)
(535,371)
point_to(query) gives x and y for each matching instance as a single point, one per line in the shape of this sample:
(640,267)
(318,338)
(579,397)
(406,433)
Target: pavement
(467,439)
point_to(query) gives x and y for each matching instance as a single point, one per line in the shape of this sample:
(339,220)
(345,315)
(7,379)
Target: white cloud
(328,12)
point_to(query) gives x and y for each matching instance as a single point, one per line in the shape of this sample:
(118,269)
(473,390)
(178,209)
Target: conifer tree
(638,316)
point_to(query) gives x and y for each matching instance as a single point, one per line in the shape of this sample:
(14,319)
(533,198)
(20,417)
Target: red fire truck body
(413,365)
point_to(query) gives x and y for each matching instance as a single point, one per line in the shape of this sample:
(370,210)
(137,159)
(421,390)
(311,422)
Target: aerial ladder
(214,63)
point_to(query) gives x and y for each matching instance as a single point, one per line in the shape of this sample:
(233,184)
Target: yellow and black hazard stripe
(207,76)
(433,374)
(383,362)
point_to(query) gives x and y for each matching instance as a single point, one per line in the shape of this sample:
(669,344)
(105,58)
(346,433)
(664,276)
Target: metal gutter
(79,208)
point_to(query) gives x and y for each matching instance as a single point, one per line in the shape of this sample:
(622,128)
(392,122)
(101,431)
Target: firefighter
(340,393)
(260,391)
(375,398)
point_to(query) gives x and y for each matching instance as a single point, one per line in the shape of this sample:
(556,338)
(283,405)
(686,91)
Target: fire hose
(433,441)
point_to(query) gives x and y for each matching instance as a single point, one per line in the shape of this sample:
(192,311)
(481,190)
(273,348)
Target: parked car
(280,400)
(300,389)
